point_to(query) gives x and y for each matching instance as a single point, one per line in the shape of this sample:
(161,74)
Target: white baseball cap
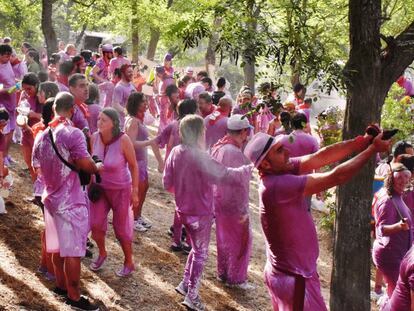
(238,122)
(258,147)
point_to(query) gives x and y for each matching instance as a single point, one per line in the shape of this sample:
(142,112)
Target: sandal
(98,263)
(125,271)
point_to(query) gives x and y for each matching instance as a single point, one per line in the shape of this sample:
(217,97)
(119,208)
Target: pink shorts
(67,231)
(119,200)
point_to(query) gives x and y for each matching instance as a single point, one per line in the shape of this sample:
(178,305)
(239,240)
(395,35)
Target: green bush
(397,112)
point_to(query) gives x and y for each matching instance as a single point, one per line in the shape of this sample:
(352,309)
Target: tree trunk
(211,49)
(369,74)
(152,45)
(249,72)
(134,31)
(81,34)
(249,58)
(47,27)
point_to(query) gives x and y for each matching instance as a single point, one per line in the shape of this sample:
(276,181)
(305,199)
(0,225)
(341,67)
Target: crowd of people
(82,121)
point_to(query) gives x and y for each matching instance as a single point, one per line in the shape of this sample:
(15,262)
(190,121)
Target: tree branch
(399,55)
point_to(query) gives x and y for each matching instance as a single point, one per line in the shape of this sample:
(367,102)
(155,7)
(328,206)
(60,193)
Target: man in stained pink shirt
(205,105)
(118,60)
(216,122)
(231,207)
(78,87)
(65,205)
(190,173)
(292,244)
(122,90)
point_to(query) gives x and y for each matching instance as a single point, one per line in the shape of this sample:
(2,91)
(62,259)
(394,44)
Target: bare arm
(333,153)
(87,165)
(129,153)
(345,171)
(399,226)
(132,132)
(412,299)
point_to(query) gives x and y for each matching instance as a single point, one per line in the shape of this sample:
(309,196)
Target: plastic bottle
(23,109)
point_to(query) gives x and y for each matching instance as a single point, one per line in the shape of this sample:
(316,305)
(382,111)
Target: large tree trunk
(211,49)
(134,31)
(249,58)
(47,27)
(152,45)
(369,74)
(155,37)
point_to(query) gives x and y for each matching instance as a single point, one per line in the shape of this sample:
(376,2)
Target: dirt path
(158,270)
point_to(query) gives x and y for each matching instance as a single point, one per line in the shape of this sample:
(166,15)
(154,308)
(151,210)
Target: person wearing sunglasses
(291,240)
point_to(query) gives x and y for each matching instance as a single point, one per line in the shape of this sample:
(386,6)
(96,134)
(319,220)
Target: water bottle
(23,109)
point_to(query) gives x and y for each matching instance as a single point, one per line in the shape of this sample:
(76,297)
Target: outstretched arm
(345,171)
(333,153)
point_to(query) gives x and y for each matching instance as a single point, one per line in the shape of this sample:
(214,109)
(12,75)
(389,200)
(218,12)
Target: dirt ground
(158,270)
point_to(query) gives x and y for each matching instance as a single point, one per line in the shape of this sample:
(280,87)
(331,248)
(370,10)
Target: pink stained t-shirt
(299,143)
(7,78)
(232,198)
(216,131)
(121,93)
(79,119)
(94,111)
(115,174)
(117,62)
(292,243)
(62,186)
(190,174)
(19,69)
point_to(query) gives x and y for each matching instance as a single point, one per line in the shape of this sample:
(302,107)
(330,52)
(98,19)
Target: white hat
(258,147)
(237,122)
(189,69)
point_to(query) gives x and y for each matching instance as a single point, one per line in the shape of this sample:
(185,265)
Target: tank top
(141,153)
(115,174)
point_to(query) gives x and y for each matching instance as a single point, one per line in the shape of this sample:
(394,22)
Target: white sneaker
(144,222)
(244,286)
(181,289)
(139,227)
(193,304)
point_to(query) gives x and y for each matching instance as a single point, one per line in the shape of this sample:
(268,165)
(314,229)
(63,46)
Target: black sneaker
(82,304)
(89,243)
(176,248)
(186,248)
(183,234)
(170,231)
(88,254)
(60,292)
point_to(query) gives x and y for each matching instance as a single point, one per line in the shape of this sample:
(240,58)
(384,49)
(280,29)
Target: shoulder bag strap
(71,166)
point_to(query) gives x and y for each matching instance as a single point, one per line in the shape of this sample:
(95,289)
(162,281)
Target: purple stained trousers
(234,246)
(199,229)
(281,288)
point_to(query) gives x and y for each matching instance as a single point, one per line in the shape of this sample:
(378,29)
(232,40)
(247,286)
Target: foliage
(329,126)
(20,20)
(397,112)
